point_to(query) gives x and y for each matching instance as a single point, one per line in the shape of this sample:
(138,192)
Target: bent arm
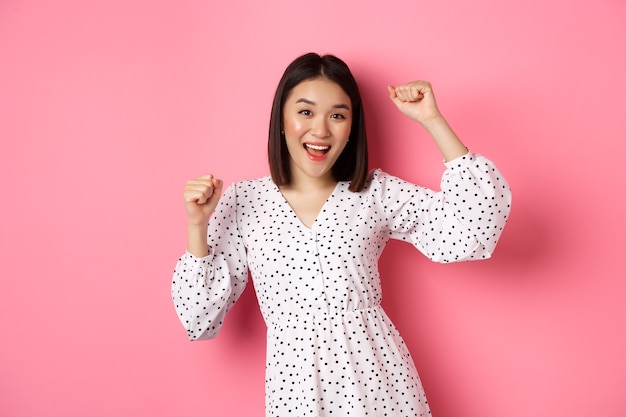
(205,287)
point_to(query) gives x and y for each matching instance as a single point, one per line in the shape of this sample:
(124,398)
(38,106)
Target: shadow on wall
(245,323)
(528,239)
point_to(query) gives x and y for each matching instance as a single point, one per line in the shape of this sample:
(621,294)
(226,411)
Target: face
(317,118)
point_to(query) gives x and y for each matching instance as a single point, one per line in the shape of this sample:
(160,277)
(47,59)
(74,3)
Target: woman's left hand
(415,99)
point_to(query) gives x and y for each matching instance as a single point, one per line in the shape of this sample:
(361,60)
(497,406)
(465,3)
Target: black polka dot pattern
(332,350)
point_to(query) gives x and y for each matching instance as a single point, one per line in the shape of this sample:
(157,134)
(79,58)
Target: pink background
(107,107)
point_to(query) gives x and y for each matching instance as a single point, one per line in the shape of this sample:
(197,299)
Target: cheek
(292,126)
(344,133)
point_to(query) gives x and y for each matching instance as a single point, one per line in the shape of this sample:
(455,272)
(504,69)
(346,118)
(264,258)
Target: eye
(305,112)
(337,116)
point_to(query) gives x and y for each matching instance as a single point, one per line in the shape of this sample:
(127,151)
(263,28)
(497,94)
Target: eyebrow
(312,103)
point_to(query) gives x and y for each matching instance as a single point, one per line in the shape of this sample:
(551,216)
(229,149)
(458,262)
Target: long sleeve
(461,222)
(204,289)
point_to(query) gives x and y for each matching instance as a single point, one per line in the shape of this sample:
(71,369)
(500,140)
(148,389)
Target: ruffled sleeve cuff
(461,162)
(190,258)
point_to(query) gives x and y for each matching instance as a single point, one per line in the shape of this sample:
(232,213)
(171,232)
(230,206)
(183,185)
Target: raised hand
(416,100)
(201,196)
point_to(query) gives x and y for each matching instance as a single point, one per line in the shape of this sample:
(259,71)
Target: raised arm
(209,278)
(463,221)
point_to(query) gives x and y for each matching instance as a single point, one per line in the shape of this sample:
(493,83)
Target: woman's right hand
(201,196)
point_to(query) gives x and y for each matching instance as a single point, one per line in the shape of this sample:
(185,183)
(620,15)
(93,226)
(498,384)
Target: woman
(311,234)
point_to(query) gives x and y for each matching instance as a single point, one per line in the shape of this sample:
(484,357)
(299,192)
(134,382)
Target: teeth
(317,147)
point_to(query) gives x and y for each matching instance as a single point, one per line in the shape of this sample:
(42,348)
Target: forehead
(320,91)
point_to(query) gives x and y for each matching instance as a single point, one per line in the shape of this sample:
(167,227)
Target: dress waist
(289,319)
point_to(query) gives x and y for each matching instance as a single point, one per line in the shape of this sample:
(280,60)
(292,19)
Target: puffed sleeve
(204,289)
(461,222)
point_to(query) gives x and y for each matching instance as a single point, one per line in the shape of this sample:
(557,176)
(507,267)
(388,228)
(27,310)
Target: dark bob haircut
(352,163)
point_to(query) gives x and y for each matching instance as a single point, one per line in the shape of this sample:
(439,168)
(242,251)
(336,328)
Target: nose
(320,128)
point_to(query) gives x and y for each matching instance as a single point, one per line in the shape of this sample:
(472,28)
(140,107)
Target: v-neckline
(317,219)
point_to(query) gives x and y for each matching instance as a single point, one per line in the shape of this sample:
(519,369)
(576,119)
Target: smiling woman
(311,235)
(317,122)
(328,71)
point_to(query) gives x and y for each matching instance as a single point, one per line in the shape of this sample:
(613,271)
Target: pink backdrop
(107,107)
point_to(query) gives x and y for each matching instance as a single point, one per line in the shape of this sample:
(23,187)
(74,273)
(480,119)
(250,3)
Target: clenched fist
(416,100)
(201,196)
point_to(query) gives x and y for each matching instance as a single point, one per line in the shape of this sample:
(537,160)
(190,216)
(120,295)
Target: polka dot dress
(332,350)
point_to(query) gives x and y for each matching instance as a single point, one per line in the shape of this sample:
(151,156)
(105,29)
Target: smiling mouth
(317,150)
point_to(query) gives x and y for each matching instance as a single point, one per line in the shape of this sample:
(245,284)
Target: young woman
(311,234)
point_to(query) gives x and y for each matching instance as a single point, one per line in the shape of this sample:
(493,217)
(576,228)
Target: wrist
(197,234)
(434,122)
(197,243)
(197,223)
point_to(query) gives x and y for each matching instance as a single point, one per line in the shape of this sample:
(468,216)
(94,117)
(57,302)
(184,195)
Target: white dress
(331,349)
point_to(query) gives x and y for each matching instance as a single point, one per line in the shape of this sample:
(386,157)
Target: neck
(302,182)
